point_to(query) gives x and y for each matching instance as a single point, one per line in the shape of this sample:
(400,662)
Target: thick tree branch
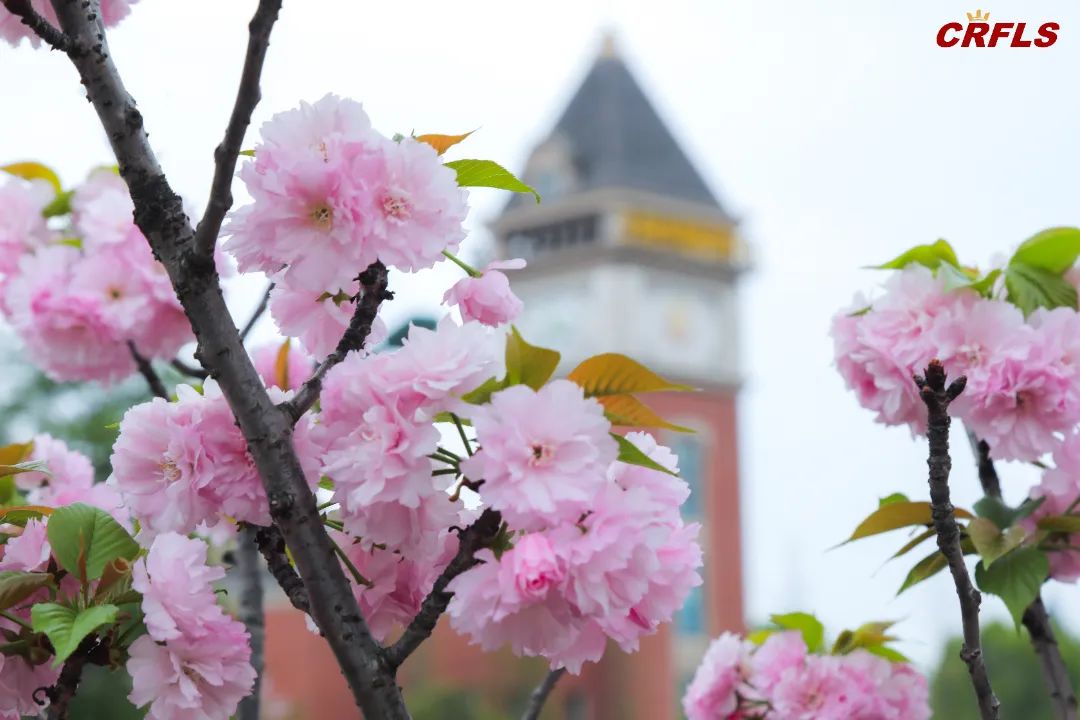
(251,614)
(1036,619)
(259,310)
(247,97)
(372,292)
(476,536)
(146,369)
(160,215)
(937,398)
(41,27)
(540,694)
(272,546)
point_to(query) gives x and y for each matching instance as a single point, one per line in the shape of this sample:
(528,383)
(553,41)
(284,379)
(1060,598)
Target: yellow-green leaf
(628,411)
(485,173)
(992,542)
(67,627)
(34,171)
(929,566)
(812,630)
(528,364)
(615,374)
(442,143)
(896,515)
(914,542)
(15,453)
(1060,523)
(19,514)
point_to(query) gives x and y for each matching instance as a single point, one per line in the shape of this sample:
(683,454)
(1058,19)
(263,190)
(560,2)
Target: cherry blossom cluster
(194,660)
(781,680)
(78,289)
(1023,389)
(1059,494)
(13,31)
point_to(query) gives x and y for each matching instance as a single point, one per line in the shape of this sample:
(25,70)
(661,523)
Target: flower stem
(473,272)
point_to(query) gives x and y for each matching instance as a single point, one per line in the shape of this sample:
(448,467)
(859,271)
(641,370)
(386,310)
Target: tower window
(530,242)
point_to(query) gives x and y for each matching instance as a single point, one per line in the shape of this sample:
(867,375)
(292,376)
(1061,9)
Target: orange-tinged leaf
(442,143)
(627,410)
(15,453)
(281,365)
(898,515)
(615,374)
(34,171)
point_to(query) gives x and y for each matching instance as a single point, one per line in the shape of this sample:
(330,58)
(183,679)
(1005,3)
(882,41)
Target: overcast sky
(837,131)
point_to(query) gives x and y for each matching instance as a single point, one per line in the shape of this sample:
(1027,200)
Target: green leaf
(631,454)
(896,515)
(1002,515)
(483,394)
(812,630)
(759,636)
(60,205)
(87,537)
(985,285)
(20,514)
(528,364)
(1054,250)
(892,499)
(628,411)
(1016,578)
(66,627)
(929,566)
(1030,287)
(247,153)
(887,652)
(992,542)
(914,542)
(34,171)
(17,586)
(485,173)
(1060,523)
(930,256)
(866,635)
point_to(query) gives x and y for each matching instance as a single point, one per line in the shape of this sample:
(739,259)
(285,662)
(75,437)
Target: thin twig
(373,292)
(146,369)
(41,27)
(259,310)
(247,97)
(252,614)
(540,694)
(272,546)
(937,397)
(189,370)
(1035,618)
(474,537)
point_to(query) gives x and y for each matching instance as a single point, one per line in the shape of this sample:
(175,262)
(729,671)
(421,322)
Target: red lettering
(1000,32)
(1018,37)
(1047,34)
(976,32)
(944,41)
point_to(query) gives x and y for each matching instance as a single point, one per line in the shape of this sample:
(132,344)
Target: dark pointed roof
(616,139)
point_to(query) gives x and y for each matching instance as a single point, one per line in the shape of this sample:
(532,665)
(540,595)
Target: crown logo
(978,16)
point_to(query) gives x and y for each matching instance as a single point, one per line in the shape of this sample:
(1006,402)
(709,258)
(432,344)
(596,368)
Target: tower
(631,252)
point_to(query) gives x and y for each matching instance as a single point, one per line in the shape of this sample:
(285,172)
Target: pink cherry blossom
(29,551)
(318,319)
(544,454)
(19,680)
(13,31)
(22,226)
(781,652)
(176,585)
(666,493)
(179,464)
(64,465)
(419,207)
(713,693)
(823,690)
(192,680)
(487,299)
(290,374)
(1060,493)
(102,210)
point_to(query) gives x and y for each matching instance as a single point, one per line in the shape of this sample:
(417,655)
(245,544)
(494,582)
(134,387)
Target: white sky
(838,131)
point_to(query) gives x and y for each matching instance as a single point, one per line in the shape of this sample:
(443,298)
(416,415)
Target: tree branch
(1036,619)
(159,213)
(251,614)
(272,546)
(372,292)
(259,310)
(540,694)
(185,369)
(41,27)
(937,398)
(247,97)
(146,369)
(476,536)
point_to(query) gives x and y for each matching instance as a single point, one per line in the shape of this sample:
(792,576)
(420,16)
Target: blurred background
(715,175)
